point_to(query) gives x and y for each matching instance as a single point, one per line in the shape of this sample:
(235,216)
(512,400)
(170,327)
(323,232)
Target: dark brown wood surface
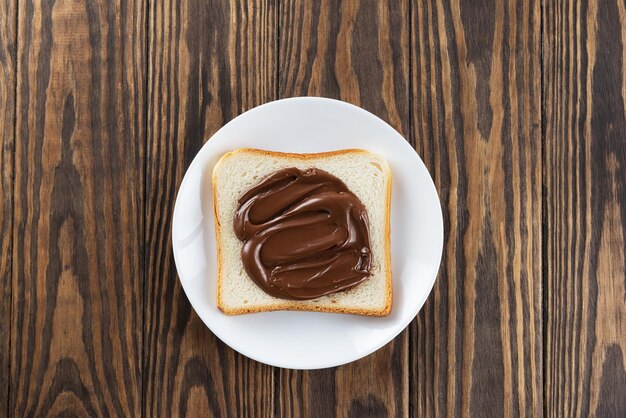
(77,259)
(7,130)
(585,208)
(477,344)
(357,52)
(518,109)
(208,62)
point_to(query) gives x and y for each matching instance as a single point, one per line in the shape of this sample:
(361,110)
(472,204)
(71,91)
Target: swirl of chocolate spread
(304,234)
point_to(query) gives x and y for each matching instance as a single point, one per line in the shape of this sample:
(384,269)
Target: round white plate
(311,340)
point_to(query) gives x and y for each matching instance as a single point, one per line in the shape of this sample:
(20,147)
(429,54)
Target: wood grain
(8,16)
(518,109)
(209,61)
(77,253)
(355,51)
(476,348)
(585,209)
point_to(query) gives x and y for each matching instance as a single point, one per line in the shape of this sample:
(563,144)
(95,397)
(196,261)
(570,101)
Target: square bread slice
(367,175)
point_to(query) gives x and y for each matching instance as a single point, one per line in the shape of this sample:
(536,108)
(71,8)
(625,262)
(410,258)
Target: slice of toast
(367,175)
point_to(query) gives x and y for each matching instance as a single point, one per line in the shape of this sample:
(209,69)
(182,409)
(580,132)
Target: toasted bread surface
(366,174)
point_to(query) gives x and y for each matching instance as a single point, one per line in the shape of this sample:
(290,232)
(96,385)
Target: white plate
(311,340)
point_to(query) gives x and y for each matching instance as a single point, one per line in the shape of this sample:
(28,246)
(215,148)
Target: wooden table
(517,108)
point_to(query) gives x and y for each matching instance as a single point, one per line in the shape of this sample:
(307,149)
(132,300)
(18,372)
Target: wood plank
(209,61)
(358,52)
(77,255)
(8,16)
(585,208)
(476,348)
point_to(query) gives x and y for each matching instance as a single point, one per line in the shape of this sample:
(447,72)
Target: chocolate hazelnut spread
(304,234)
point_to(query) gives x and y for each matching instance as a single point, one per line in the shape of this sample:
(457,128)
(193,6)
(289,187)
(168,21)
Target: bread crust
(288,305)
